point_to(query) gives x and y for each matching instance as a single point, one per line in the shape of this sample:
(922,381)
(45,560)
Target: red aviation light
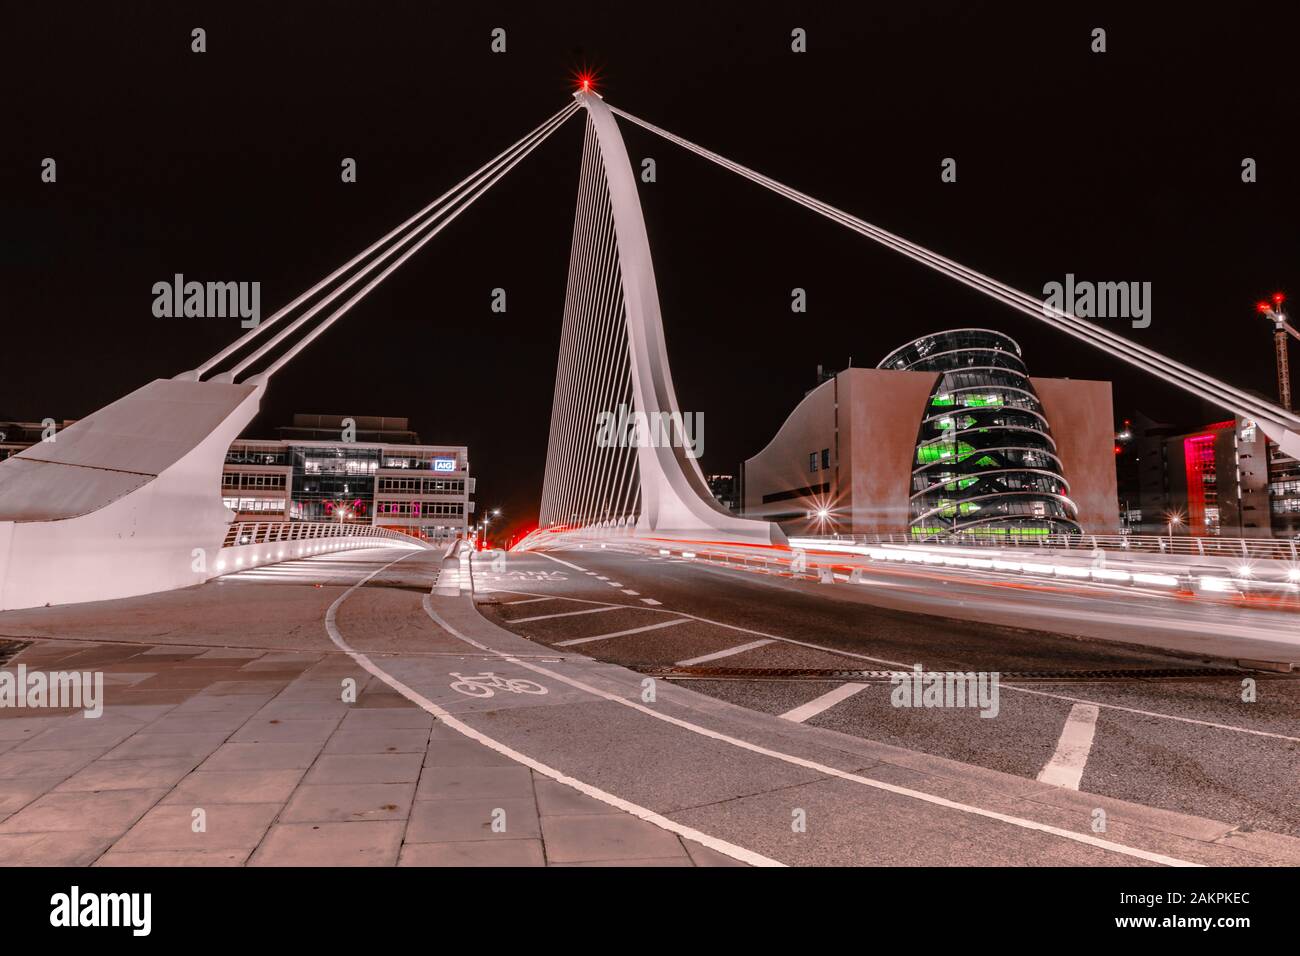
(585,81)
(1263,308)
(1278,299)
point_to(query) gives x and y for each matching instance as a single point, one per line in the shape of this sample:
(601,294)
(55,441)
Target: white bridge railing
(271,532)
(1207,547)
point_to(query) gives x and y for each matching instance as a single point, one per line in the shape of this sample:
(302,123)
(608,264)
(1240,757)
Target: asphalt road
(1190,744)
(730,771)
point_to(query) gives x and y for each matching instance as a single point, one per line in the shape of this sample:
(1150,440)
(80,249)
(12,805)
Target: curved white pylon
(675,499)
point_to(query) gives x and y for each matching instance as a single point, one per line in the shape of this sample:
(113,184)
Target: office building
(357,469)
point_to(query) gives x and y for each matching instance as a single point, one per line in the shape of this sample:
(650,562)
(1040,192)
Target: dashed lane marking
(631,630)
(823,703)
(649,601)
(590,610)
(1065,769)
(1006,686)
(718,655)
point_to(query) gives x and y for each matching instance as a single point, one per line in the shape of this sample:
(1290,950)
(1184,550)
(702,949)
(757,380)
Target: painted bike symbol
(486,685)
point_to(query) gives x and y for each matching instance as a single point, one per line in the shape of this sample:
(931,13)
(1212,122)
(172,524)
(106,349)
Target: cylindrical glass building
(985,460)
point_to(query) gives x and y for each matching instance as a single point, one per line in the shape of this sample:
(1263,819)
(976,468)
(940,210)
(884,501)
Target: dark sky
(1122,166)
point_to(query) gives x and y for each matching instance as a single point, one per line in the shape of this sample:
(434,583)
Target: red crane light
(1278,299)
(1263,307)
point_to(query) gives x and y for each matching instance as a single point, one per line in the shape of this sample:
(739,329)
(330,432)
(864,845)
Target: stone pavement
(225,757)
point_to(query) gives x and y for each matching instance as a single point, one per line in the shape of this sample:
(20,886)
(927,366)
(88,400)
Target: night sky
(1122,166)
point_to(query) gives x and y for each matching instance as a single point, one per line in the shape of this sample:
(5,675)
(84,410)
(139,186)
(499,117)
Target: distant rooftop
(385,429)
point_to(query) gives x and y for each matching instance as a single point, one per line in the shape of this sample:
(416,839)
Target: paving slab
(370,843)
(475,853)
(227,827)
(205,787)
(371,801)
(456,821)
(104,811)
(365,768)
(605,837)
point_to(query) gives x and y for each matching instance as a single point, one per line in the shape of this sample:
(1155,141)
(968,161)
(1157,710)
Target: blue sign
(444,464)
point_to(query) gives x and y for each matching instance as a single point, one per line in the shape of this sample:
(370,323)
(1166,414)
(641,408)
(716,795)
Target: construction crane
(1281,329)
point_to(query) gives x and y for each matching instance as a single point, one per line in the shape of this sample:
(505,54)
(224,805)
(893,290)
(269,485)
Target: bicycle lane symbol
(488,683)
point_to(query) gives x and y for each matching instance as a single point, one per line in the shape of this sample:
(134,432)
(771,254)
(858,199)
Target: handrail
(267,532)
(1200,546)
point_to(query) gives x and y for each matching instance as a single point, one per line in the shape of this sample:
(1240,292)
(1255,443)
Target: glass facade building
(354,470)
(985,459)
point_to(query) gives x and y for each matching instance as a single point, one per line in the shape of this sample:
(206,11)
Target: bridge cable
(1170,370)
(421,219)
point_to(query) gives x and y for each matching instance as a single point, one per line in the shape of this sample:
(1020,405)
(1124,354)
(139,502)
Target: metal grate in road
(837,674)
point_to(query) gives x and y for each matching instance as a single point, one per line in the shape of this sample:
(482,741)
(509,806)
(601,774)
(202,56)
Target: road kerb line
(643,813)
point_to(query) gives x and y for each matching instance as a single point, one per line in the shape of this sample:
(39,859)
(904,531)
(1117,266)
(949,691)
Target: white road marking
(1065,769)
(825,702)
(631,630)
(618,803)
(825,769)
(649,601)
(601,577)
(590,610)
(633,593)
(532,600)
(1151,713)
(569,565)
(614,584)
(718,655)
(1004,685)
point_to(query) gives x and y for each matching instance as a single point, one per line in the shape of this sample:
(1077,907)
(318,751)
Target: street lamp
(494,513)
(1174,518)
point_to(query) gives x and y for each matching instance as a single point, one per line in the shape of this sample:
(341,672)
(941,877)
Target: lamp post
(494,513)
(1173,520)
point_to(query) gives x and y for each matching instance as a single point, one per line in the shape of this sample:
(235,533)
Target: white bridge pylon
(614,360)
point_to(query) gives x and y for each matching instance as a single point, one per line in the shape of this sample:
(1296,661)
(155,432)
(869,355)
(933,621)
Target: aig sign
(444,464)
